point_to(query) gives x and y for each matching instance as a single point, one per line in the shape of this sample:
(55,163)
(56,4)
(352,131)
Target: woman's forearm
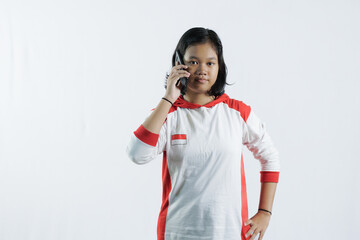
(267,195)
(156,119)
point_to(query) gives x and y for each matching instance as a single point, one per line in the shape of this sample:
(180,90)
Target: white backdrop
(78,77)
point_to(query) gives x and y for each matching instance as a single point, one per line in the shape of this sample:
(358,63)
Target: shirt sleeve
(258,141)
(144,146)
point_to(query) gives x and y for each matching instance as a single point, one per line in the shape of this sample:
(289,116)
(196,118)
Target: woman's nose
(201,69)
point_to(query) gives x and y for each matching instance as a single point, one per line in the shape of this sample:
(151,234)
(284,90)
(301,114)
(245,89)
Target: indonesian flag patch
(178,139)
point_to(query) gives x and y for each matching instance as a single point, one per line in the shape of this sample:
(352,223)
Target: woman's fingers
(256,232)
(248,222)
(179,74)
(182,72)
(180,66)
(258,223)
(261,235)
(251,231)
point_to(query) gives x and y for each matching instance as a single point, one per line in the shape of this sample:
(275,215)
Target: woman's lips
(201,80)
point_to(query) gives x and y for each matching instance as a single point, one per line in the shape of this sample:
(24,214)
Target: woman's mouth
(201,80)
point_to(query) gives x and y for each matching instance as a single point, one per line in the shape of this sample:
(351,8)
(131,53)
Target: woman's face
(203,66)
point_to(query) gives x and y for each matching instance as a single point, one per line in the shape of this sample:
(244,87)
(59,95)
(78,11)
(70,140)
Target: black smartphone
(183,80)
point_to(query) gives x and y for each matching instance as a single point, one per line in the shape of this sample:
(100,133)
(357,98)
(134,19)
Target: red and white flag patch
(178,139)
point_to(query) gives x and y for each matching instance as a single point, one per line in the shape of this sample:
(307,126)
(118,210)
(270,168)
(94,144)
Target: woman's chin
(197,91)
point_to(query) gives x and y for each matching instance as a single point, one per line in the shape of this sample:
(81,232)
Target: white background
(78,77)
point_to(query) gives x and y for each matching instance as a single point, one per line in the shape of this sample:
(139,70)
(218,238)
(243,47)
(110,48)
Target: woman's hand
(259,222)
(173,90)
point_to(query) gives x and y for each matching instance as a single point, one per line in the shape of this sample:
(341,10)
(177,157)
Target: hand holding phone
(183,80)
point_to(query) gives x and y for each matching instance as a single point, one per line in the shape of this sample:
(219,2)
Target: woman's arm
(156,119)
(146,143)
(260,143)
(260,221)
(267,195)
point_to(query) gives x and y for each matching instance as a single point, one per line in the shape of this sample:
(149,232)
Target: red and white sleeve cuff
(269,176)
(146,136)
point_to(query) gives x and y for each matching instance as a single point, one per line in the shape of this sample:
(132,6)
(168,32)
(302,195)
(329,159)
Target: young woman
(201,134)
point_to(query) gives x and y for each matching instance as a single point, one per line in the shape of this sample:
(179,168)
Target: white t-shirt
(204,187)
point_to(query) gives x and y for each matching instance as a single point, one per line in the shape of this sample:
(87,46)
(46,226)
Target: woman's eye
(194,62)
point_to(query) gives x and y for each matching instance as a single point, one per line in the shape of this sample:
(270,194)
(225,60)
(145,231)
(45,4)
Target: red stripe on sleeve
(146,136)
(268,176)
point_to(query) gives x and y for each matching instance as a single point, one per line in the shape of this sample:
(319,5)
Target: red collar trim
(181,102)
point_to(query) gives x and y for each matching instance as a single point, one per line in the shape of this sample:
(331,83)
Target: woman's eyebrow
(208,58)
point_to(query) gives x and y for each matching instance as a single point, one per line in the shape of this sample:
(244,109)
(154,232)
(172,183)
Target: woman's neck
(200,99)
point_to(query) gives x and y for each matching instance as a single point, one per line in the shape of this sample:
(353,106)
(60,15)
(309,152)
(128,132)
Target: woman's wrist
(169,98)
(265,211)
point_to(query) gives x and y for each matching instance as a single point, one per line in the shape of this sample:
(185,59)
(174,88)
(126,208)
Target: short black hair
(200,35)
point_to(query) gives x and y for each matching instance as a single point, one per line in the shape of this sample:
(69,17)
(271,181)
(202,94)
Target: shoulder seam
(239,106)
